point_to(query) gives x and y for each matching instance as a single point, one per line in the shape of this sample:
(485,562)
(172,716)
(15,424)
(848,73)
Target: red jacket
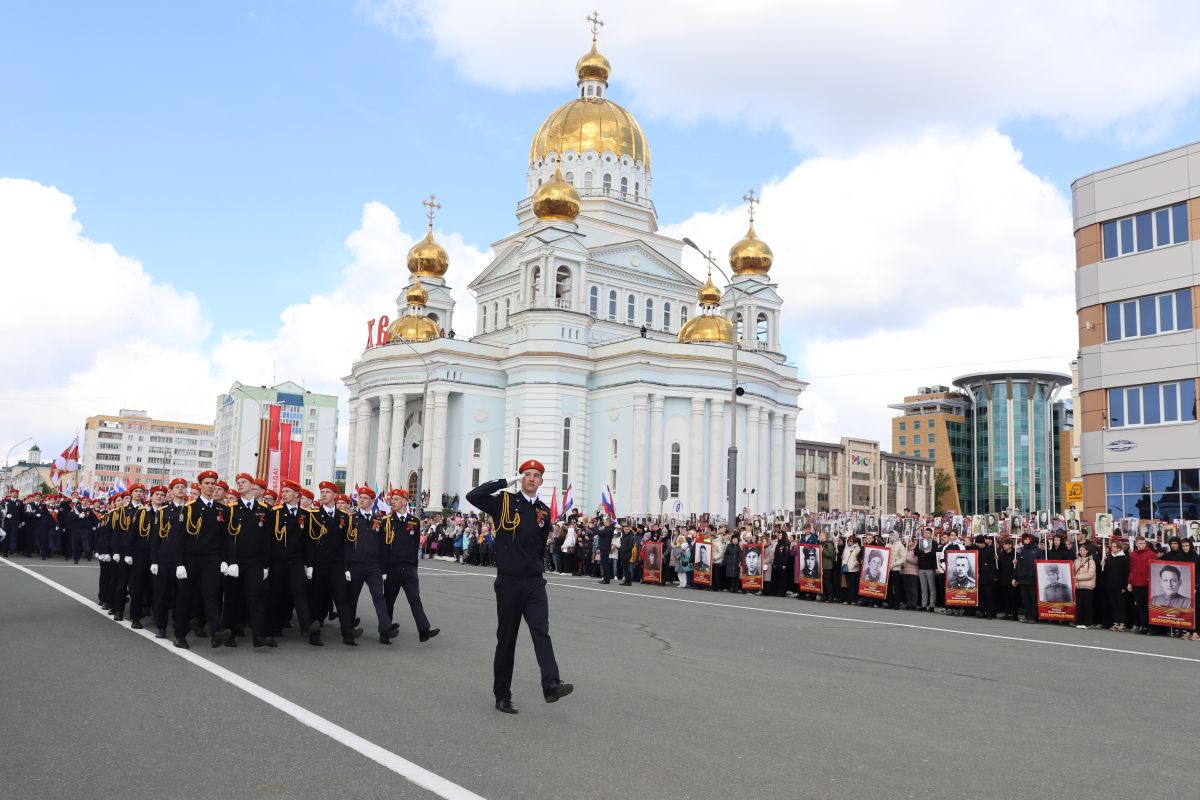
(1139,566)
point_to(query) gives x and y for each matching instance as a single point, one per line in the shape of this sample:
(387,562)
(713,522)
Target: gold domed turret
(556,199)
(710,295)
(415,326)
(416,295)
(427,258)
(711,325)
(751,255)
(593,67)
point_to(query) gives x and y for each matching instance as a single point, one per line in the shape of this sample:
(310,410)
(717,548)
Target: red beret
(260,483)
(295,487)
(13,490)
(398,493)
(307,493)
(135,487)
(367,490)
(155,489)
(196,486)
(532,464)
(208,473)
(330,485)
(245,475)
(223,485)
(175,481)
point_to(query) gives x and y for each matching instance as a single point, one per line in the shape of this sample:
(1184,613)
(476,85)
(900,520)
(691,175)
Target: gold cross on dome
(751,202)
(433,208)
(596,24)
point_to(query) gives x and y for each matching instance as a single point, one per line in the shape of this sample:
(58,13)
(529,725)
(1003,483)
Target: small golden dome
(427,258)
(556,199)
(710,295)
(414,328)
(416,295)
(751,255)
(706,328)
(593,66)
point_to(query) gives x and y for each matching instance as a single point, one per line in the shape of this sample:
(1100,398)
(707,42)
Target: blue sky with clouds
(265,162)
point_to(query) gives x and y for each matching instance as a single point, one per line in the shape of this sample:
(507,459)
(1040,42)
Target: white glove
(347,576)
(116,557)
(233,571)
(224,568)
(154,569)
(265,571)
(515,478)
(385,576)
(308,573)
(2,533)
(129,560)
(181,573)
(103,559)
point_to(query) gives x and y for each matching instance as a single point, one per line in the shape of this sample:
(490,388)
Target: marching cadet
(245,564)
(80,523)
(401,544)
(37,526)
(364,562)
(145,529)
(10,520)
(220,493)
(522,527)
(306,499)
(289,528)
(105,534)
(199,571)
(166,554)
(344,504)
(325,564)
(122,547)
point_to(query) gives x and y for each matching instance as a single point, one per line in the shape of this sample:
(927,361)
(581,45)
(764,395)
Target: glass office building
(1013,431)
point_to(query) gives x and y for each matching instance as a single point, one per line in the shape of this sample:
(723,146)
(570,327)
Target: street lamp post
(8,455)
(733,389)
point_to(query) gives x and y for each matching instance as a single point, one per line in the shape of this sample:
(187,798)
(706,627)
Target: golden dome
(427,258)
(416,295)
(414,328)
(593,66)
(751,255)
(590,123)
(707,328)
(556,199)
(710,295)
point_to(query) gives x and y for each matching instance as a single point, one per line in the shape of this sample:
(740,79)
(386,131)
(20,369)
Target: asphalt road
(679,694)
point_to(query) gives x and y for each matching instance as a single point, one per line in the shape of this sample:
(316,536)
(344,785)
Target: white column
(656,451)
(362,441)
(637,493)
(437,467)
(752,456)
(716,460)
(778,462)
(351,444)
(395,470)
(694,461)
(763,495)
(789,461)
(427,441)
(381,441)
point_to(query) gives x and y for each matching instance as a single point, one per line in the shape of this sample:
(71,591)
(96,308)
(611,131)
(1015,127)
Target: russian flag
(568,500)
(381,504)
(606,500)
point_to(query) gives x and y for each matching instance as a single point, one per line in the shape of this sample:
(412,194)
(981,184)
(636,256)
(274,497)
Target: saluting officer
(247,549)
(364,562)
(325,565)
(401,544)
(289,528)
(522,526)
(199,570)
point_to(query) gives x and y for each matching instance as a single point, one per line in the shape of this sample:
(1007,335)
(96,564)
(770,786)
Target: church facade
(595,353)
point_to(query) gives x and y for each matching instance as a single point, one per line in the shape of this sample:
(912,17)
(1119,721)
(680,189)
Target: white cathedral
(596,353)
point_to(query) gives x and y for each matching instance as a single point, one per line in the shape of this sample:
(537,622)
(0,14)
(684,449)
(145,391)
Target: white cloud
(842,72)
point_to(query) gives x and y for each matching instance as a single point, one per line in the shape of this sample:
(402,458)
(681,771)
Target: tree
(941,488)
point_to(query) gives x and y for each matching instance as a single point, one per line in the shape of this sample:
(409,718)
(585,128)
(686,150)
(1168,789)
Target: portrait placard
(962,578)
(808,568)
(752,567)
(702,564)
(873,579)
(1056,590)
(1104,526)
(1173,594)
(651,562)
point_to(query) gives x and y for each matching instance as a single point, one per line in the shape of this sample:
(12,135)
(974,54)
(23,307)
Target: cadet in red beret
(522,527)
(289,525)
(401,551)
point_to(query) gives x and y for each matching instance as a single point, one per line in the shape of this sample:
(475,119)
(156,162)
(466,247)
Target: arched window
(607,182)
(412,484)
(666,316)
(763,329)
(477,447)
(636,189)
(483,318)
(589,91)
(566,454)
(562,284)
(536,285)
(612,305)
(594,301)
(570,178)
(614,448)
(516,442)
(630,310)
(624,185)
(649,312)
(676,461)
(682,315)
(507,309)
(587,179)
(496,314)
(737,325)
(434,317)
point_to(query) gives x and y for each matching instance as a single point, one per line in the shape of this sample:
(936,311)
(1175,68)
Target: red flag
(554,506)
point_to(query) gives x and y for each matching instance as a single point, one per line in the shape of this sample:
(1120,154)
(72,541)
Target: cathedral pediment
(634,256)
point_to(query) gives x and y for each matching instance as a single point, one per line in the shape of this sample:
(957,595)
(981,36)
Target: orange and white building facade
(1137,258)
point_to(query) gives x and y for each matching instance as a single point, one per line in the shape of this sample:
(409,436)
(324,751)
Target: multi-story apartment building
(855,475)
(133,448)
(934,425)
(1136,275)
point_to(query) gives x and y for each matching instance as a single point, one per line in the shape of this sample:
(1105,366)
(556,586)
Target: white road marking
(386,758)
(855,619)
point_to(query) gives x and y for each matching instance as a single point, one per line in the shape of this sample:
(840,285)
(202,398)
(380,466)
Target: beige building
(933,424)
(1137,270)
(133,448)
(855,475)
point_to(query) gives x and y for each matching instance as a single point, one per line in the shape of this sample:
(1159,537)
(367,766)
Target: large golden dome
(590,123)
(751,255)
(707,328)
(427,258)
(414,328)
(556,199)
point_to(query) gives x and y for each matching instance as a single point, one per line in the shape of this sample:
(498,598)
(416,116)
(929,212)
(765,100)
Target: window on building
(762,329)
(822,494)
(666,316)
(1155,494)
(916,424)
(916,438)
(483,317)
(737,325)
(477,449)
(475,476)
(566,454)
(312,412)
(676,463)
(902,426)
(536,282)
(614,448)
(562,284)
(1148,316)
(607,182)
(1146,231)
(624,185)
(587,180)
(630,309)
(612,305)
(1152,404)
(516,443)
(931,455)
(570,178)
(929,438)
(594,301)
(903,440)
(682,314)
(649,312)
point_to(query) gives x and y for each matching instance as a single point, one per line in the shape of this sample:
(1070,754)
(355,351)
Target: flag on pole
(381,503)
(554,506)
(606,500)
(568,500)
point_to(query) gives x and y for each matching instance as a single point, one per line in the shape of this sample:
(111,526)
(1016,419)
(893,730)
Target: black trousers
(1117,601)
(373,578)
(108,581)
(120,586)
(829,580)
(139,583)
(404,576)
(164,593)
(606,568)
(79,543)
(244,598)
(987,598)
(517,599)
(329,583)
(1141,606)
(1029,600)
(288,589)
(199,592)
(1083,606)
